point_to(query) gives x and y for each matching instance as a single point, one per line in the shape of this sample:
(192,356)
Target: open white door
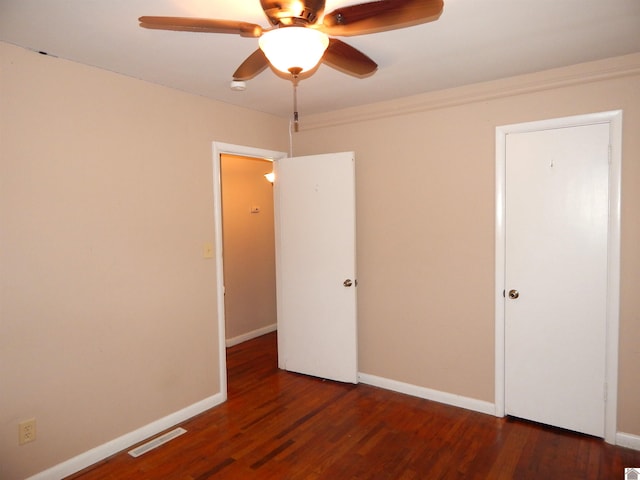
(315,265)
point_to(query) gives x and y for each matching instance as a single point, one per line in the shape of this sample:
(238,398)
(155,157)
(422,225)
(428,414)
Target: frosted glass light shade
(289,48)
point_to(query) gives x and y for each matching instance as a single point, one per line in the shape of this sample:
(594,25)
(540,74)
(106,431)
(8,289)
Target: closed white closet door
(556,224)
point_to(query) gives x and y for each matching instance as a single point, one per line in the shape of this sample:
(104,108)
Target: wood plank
(280,425)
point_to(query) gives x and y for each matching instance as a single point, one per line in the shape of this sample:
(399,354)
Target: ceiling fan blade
(201,25)
(347,59)
(292,12)
(380,16)
(252,66)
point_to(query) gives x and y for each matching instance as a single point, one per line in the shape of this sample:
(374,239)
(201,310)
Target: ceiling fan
(296,22)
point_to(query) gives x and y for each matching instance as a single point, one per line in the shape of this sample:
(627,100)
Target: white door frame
(614,119)
(218,149)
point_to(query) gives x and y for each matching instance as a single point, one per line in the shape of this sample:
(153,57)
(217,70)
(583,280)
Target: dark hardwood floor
(279,425)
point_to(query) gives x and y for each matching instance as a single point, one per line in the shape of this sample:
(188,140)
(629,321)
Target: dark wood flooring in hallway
(280,425)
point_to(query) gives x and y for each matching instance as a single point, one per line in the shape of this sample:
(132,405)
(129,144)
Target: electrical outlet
(27,431)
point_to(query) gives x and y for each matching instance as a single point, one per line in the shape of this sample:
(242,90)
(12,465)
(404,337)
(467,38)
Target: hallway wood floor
(280,425)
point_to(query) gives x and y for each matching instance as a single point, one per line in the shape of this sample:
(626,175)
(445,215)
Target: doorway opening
(248,248)
(259,159)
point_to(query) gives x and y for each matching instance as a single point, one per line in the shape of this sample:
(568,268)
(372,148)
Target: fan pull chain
(295,103)
(295,71)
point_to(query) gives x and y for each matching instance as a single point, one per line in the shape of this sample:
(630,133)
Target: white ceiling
(473,41)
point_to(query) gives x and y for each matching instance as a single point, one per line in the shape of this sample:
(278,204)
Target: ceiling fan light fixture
(294,48)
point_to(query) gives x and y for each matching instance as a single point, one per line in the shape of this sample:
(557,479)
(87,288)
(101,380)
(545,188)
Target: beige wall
(107,307)
(248,245)
(425,212)
(108,310)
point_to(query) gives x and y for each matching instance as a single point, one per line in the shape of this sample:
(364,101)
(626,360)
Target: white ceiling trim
(600,70)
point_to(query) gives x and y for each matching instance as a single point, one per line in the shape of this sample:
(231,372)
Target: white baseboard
(230,342)
(119,444)
(622,439)
(628,440)
(429,394)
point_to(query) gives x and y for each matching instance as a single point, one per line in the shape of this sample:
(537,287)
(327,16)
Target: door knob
(514,294)
(347,282)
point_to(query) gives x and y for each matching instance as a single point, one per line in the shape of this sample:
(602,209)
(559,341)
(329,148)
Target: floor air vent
(156,442)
